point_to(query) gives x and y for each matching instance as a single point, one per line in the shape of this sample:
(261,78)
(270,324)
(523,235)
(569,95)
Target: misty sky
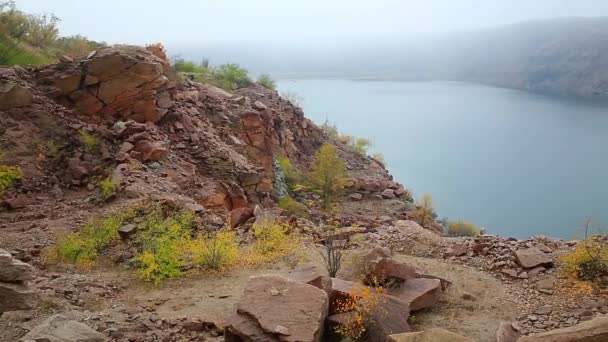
(234,21)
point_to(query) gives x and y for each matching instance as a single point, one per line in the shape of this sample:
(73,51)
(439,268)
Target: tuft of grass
(8,176)
(107,187)
(461,228)
(88,140)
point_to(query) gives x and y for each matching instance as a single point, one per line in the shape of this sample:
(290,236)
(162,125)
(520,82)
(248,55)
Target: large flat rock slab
(419,293)
(532,257)
(274,308)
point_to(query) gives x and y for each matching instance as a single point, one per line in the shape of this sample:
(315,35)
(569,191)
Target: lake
(515,163)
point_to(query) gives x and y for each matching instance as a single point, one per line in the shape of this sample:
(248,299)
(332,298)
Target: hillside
(138,205)
(564,57)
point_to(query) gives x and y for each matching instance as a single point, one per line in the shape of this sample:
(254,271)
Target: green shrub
(8,176)
(181,65)
(460,228)
(232,76)
(294,207)
(292,174)
(267,82)
(165,240)
(83,246)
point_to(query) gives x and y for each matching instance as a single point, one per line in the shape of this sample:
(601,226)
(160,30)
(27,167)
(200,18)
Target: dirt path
(477,318)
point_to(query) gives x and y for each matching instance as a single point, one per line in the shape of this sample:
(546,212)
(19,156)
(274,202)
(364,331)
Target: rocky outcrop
(595,330)
(274,308)
(119,82)
(14,293)
(59,328)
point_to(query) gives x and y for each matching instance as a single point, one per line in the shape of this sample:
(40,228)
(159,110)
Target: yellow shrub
(362,305)
(165,240)
(8,176)
(216,251)
(461,228)
(588,262)
(272,242)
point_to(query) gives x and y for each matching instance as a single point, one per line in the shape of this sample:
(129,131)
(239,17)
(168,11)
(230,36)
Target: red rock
(418,293)
(240,215)
(390,317)
(532,257)
(150,150)
(388,194)
(13,95)
(274,308)
(381,270)
(312,275)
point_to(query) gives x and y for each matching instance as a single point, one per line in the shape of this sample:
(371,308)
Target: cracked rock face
(120,82)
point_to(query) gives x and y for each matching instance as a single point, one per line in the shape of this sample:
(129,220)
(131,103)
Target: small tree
(424,212)
(327,175)
(332,253)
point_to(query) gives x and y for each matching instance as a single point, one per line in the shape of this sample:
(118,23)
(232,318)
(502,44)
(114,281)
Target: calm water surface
(516,163)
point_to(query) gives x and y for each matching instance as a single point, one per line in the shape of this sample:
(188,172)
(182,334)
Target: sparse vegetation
(165,240)
(294,207)
(83,246)
(266,81)
(424,213)
(107,187)
(88,140)
(461,228)
(293,97)
(8,176)
(27,39)
(589,262)
(272,242)
(332,253)
(329,129)
(358,143)
(292,175)
(182,65)
(217,250)
(327,175)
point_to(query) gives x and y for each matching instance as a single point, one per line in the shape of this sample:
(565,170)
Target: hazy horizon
(191,22)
